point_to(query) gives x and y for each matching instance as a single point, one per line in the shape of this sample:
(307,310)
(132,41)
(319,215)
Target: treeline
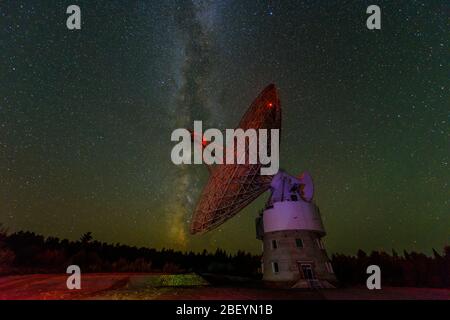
(409,270)
(26,252)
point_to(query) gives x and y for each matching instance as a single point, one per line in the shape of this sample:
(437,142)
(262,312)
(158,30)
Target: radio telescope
(231,187)
(290,225)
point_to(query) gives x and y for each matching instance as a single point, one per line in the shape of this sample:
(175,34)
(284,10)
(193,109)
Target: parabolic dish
(231,187)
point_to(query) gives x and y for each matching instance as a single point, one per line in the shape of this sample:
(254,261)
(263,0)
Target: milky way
(193,101)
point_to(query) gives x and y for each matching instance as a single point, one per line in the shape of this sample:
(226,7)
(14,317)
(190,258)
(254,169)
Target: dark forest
(27,252)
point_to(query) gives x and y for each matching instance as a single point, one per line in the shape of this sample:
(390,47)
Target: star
(86,117)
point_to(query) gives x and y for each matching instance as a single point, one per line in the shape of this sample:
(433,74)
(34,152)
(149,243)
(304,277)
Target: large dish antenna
(231,187)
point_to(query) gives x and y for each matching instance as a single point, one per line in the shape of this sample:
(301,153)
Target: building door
(307,270)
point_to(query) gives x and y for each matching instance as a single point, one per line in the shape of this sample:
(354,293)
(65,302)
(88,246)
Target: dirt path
(169,287)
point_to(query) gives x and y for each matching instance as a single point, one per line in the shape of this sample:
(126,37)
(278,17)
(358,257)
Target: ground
(185,287)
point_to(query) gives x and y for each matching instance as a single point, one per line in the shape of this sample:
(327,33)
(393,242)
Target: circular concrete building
(291,230)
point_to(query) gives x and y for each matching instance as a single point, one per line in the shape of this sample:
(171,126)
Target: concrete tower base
(297,258)
(291,230)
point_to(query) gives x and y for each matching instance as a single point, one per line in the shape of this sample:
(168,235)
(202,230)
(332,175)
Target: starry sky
(86,116)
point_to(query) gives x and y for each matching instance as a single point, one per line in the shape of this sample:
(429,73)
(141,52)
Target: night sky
(86,116)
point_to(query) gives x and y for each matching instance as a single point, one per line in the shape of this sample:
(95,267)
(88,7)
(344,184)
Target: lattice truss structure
(231,187)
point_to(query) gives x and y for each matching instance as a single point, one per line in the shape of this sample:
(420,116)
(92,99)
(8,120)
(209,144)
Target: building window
(329,267)
(275,267)
(274,244)
(299,243)
(320,243)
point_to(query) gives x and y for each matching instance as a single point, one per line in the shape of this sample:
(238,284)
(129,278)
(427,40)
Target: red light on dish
(194,136)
